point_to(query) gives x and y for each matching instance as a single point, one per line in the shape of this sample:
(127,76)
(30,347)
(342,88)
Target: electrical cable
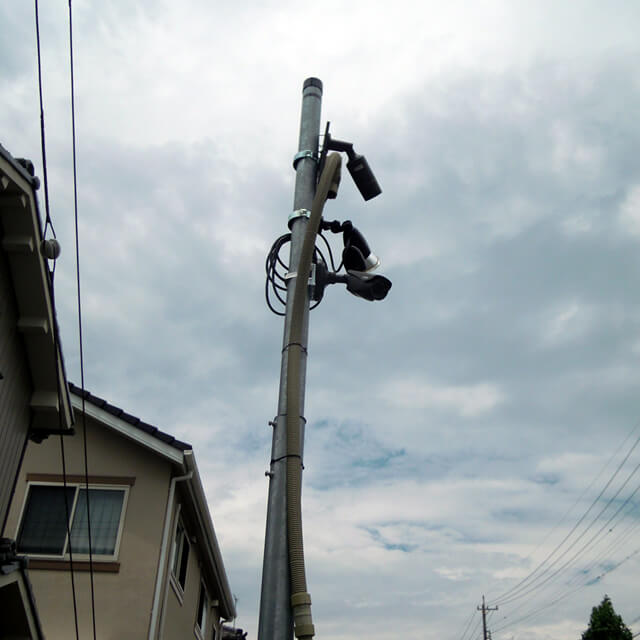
(81,350)
(563,597)
(585,577)
(467,624)
(510,594)
(531,588)
(49,224)
(277,269)
(42,134)
(579,499)
(560,595)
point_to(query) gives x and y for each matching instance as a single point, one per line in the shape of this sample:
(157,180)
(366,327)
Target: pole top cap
(312,82)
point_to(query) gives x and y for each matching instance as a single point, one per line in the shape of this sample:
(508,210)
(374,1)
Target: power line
(584,492)
(467,624)
(554,602)
(81,350)
(49,224)
(533,587)
(532,582)
(521,587)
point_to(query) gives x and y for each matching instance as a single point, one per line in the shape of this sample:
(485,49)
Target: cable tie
(288,455)
(296,344)
(284,415)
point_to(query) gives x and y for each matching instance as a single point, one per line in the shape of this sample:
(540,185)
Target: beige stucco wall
(123,600)
(180,609)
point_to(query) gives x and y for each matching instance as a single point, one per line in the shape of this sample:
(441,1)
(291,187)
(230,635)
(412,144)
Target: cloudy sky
(458,430)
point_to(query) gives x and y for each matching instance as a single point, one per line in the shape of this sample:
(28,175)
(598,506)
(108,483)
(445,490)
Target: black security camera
(356,255)
(357,165)
(364,285)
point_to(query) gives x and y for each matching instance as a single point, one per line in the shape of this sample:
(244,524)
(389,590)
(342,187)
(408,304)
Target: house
(157,567)
(34,400)
(156,564)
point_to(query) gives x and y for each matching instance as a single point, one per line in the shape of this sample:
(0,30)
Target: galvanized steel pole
(276,621)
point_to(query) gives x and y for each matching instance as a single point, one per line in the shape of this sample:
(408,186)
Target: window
(49,515)
(180,555)
(203,605)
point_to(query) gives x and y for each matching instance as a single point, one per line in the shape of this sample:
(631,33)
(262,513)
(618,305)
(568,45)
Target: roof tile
(130,419)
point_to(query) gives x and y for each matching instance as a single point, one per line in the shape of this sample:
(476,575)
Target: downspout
(163,553)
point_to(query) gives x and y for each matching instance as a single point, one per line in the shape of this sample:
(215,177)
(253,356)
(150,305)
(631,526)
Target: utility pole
(276,621)
(484,610)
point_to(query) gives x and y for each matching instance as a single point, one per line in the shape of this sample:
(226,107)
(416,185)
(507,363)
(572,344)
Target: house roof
(180,454)
(132,420)
(21,235)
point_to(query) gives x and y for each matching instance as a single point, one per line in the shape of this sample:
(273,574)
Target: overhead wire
(522,585)
(79,297)
(585,577)
(536,584)
(49,226)
(466,625)
(581,496)
(554,602)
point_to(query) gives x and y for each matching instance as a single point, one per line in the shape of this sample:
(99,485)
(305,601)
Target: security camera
(356,255)
(357,165)
(364,285)
(367,286)
(363,176)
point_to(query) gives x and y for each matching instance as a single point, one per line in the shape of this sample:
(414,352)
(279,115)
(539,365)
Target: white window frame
(173,577)
(200,628)
(77,486)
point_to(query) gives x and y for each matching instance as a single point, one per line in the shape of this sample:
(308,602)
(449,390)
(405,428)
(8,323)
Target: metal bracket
(298,213)
(301,155)
(294,274)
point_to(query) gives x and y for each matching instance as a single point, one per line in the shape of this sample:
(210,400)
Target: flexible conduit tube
(300,599)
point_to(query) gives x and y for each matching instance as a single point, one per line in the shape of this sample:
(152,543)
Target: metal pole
(276,621)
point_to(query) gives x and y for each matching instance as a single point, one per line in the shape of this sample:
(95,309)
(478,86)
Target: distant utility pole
(484,610)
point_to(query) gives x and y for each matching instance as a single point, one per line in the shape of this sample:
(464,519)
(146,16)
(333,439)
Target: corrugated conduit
(300,598)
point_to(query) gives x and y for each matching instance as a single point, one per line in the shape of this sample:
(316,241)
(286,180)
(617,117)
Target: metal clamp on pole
(301,155)
(298,213)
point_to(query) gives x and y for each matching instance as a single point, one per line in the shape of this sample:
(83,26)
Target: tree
(606,624)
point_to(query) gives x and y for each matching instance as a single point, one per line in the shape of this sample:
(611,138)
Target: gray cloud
(450,426)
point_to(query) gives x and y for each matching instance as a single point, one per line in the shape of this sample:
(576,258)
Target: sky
(457,430)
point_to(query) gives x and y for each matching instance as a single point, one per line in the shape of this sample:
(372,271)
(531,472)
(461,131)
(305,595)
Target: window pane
(44,523)
(184,560)
(202,608)
(177,548)
(105,508)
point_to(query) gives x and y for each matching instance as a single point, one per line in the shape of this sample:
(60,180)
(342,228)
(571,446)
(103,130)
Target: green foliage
(606,624)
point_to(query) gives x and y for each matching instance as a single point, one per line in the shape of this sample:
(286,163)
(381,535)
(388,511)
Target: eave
(21,236)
